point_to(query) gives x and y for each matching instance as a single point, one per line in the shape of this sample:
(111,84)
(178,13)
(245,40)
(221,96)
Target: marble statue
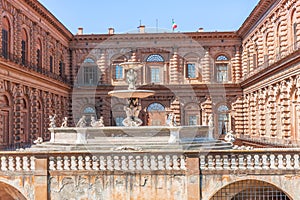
(171,120)
(95,123)
(52,121)
(229,137)
(210,120)
(82,122)
(64,124)
(131,78)
(39,140)
(132,113)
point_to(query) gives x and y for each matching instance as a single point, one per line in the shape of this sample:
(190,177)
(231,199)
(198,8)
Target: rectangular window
(23,52)
(119,72)
(61,68)
(254,60)
(155,75)
(90,76)
(39,58)
(5,43)
(191,70)
(193,120)
(51,63)
(222,73)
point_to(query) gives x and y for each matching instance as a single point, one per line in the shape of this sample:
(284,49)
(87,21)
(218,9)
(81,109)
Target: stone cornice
(49,17)
(262,7)
(158,36)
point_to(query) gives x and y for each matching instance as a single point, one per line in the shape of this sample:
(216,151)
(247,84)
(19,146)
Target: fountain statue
(133,107)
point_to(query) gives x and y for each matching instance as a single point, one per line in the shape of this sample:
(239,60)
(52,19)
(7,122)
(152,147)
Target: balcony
(28,65)
(279,55)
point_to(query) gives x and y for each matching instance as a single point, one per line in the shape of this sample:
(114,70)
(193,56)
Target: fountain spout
(133,107)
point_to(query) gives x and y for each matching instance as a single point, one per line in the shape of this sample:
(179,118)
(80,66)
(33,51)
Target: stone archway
(8,192)
(250,189)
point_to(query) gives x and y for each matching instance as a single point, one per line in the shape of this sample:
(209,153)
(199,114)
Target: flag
(174,25)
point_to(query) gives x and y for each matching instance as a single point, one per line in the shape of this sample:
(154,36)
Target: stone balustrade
(250,160)
(118,162)
(209,161)
(20,162)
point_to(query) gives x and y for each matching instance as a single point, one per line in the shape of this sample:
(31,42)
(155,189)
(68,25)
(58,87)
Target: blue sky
(96,16)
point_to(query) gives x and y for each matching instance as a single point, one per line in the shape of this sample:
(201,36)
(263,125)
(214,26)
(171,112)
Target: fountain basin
(93,134)
(127,94)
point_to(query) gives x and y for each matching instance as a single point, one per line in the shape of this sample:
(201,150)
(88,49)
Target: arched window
(222,71)
(156,114)
(293,29)
(5,37)
(88,60)
(155,107)
(155,58)
(89,110)
(223,119)
(24,47)
(155,67)
(39,54)
(250,189)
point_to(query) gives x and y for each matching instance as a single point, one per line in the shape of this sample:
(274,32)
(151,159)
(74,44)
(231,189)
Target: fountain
(132,95)
(132,136)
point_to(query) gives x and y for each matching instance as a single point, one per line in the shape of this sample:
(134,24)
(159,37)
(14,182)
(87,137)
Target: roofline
(257,13)
(194,35)
(48,16)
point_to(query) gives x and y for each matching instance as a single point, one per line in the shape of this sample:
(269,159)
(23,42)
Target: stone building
(248,80)
(46,71)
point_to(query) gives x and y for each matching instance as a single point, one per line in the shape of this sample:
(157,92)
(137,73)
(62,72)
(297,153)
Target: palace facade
(247,79)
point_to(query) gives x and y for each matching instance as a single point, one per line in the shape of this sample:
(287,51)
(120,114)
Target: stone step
(47,146)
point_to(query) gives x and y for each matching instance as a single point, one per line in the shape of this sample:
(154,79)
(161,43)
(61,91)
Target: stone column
(238,114)
(174,61)
(272,110)
(17,115)
(103,78)
(270,42)
(253,110)
(17,35)
(260,49)
(244,61)
(246,114)
(236,66)
(262,112)
(33,114)
(206,71)
(285,109)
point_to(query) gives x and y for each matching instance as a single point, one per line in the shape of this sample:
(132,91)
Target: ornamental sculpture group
(81,122)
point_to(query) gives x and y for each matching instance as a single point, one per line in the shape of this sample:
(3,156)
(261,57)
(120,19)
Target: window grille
(252,190)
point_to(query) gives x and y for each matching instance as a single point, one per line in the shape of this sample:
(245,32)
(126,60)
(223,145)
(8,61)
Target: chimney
(111,31)
(200,30)
(141,29)
(80,31)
